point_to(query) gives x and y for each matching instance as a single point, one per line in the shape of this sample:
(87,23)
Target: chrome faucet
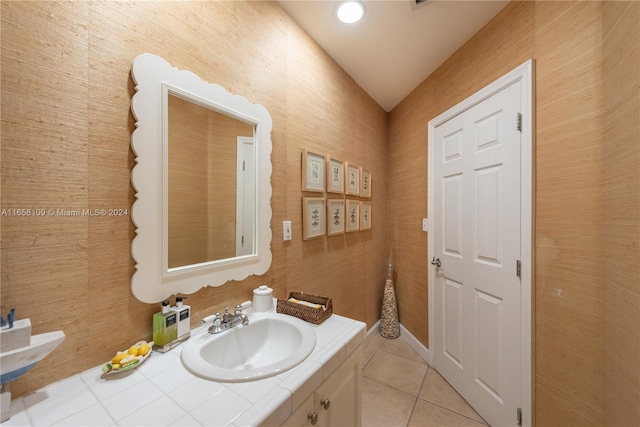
(228,320)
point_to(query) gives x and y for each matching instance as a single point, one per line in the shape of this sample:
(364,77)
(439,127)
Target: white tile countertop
(161,392)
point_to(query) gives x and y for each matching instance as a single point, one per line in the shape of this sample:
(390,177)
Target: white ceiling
(397,44)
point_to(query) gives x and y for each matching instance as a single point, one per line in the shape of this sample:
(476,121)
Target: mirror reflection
(210,184)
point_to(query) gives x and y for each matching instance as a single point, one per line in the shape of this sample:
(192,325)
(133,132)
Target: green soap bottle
(165,325)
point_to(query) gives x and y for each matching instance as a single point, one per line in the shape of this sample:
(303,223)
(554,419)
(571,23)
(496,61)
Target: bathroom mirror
(203,183)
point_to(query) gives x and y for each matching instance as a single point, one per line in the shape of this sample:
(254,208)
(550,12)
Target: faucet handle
(216,327)
(226,316)
(238,310)
(217,319)
(208,319)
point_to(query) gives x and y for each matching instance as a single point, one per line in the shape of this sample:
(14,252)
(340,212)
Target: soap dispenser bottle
(165,326)
(183,312)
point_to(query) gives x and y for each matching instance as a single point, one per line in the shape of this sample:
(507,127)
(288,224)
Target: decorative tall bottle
(389,324)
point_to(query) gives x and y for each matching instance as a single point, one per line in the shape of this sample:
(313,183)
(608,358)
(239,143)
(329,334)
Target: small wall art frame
(313,217)
(365,215)
(365,184)
(313,171)
(335,175)
(353,215)
(335,216)
(352,177)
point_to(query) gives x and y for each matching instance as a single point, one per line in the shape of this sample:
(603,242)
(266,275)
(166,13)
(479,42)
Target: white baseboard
(413,342)
(374,329)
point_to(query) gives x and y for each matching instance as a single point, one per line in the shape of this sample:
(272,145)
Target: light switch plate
(286,231)
(425,224)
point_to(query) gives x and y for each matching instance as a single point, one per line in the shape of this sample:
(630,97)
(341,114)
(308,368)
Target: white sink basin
(269,345)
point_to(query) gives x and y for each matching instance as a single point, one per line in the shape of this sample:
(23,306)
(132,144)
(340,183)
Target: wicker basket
(308,314)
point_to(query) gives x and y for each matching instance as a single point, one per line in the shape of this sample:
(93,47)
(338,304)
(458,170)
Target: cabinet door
(338,400)
(301,416)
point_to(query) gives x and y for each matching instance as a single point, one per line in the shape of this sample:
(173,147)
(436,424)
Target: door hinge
(243,165)
(519,122)
(519,416)
(518,268)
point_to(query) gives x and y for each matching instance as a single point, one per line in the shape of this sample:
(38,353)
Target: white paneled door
(476,250)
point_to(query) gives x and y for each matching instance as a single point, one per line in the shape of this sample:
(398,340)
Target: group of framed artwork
(334,215)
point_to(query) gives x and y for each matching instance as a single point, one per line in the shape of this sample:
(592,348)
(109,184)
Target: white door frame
(245,214)
(525,74)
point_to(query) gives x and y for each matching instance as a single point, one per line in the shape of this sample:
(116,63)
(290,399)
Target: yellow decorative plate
(108,367)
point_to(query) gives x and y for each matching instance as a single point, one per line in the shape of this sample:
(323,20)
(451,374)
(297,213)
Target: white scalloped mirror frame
(153,281)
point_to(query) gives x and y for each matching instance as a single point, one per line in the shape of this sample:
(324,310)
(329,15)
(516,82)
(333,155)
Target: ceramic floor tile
(437,391)
(400,347)
(370,346)
(389,385)
(374,340)
(367,355)
(384,406)
(428,414)
(396,371)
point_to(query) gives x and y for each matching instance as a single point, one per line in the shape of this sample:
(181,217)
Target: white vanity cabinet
(337,402)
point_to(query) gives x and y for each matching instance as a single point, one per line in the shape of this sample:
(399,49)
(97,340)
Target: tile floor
(400,389)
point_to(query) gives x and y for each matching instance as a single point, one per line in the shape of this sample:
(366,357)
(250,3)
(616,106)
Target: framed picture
(335,176)
(313,217)
(352,176)
(365,184)
(335,216)
(353,215)
(312,171)
(365,215)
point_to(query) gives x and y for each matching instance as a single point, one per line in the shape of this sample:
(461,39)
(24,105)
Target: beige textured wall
(587,229)
(187,164)
(66,127)
(621,205)
(202,165)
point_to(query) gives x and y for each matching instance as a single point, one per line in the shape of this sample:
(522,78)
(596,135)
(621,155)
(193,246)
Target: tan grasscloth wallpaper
(66,126)
(587,196)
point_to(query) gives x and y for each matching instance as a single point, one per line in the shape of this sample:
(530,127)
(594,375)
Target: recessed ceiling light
(350,12)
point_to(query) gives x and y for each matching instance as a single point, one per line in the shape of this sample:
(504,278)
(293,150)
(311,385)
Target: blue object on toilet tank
(11,317)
